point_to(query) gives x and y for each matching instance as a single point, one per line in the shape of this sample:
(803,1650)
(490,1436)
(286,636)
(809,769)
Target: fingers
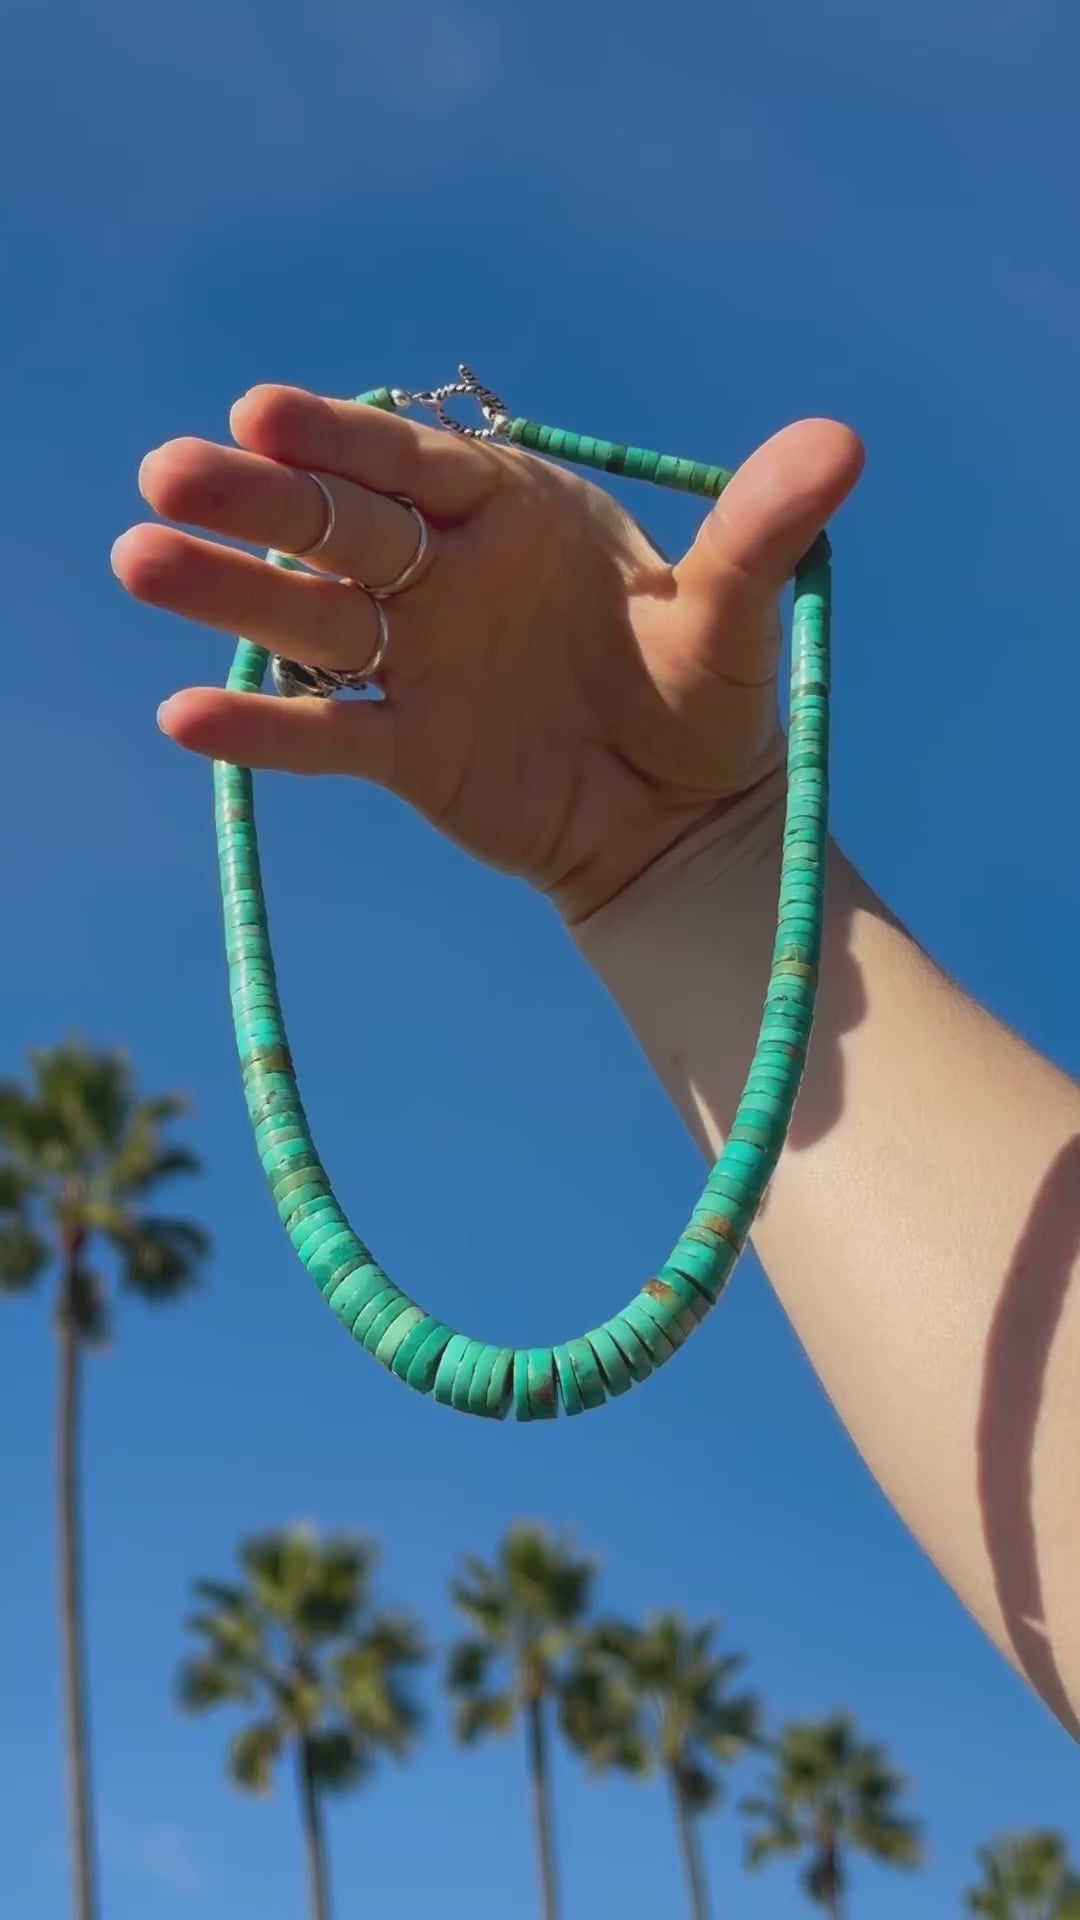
(286,736)
(318,621)
(446,475)
(249,498)
(775,507)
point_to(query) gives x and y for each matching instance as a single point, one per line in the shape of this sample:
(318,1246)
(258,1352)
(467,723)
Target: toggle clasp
(494,411)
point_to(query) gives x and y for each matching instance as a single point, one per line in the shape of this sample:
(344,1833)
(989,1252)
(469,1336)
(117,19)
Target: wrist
(684,951)
(676,843)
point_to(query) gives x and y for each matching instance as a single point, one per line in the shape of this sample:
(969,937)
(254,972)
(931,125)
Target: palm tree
(80,1159)
(657,1698)
(1026,1876)
(828,1792)
(525,1613)
(297,1640)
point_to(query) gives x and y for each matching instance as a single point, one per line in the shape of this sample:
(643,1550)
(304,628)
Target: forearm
(923,1228)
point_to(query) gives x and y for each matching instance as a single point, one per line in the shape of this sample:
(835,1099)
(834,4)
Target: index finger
(446,475)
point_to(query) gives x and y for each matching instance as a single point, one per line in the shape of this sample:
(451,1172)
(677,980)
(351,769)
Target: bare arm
(923,1228)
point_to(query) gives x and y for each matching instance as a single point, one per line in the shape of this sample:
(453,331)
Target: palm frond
(336,1759)
(780,1838)
(483,1713)
(468,1665)
(23,1256)
(161,1257)
(84,1096)
(699,1787)
(371,1682)
(202,1683)
(253,1754)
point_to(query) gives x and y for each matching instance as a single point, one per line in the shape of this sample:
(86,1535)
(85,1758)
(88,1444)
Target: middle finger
(247,497)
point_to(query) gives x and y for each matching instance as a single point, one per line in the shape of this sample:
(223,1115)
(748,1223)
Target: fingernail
(161,713)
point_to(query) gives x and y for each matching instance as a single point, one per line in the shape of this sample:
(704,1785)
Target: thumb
(773,510)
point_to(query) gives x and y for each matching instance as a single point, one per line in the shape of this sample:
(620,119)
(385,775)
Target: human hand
(558,699)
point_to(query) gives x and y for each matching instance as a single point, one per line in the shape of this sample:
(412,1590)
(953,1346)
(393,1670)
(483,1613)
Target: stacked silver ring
(289,677)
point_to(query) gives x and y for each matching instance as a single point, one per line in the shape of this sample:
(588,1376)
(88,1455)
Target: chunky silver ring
(305,553)
(291,679)
(411,569)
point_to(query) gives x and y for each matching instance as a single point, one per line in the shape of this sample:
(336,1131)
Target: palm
(658,1698)
(80,1160)
(1026,1877)
(574,697)
(525,1615)
(829,1792)
(297,1642)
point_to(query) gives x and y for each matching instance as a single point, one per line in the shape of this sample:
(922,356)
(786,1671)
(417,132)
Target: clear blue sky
(680,226)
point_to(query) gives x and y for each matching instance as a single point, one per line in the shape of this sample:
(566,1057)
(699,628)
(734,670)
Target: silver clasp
(494,411)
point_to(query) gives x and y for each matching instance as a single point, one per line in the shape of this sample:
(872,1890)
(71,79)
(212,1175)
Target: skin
(570,707)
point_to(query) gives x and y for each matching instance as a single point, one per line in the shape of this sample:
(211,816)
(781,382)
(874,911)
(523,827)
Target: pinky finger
(284,736)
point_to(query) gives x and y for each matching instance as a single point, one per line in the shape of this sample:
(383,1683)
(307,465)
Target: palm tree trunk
(690,1851)
(539,1791)
(833,1902)
(314,1837)
(76,1755)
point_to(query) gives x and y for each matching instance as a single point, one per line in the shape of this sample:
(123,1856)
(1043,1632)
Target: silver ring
(304,553)
(411,569)
(291,679)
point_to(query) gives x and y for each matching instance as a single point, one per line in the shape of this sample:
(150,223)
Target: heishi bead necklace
(418,1347)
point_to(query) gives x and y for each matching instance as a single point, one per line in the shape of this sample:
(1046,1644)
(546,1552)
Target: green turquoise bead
(385,1296)
(637,1356)
(587,1373)
(705,1267)
(652,1335)
(447,1368)
(321,1261)
(380,1322)
(398,1332)
(481,1380)
(690,1296)
(500,1386)
(522,1403)
(423,1363)
(617,1376)
(412,1341)
(332,1273)
(463,1378)
(353,1293)
(568,1386)
(670,1316)
(540,1372)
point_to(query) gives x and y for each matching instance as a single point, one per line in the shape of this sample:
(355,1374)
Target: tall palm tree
(298,1640)
(656,1698)
(525,1613)
(829,1792)
(81,1157)
(1026,1876)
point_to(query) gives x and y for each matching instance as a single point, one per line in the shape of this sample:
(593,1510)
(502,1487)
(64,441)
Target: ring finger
(305,616)
(333,524)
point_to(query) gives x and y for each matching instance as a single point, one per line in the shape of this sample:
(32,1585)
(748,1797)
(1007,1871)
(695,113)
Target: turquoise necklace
(415,1346)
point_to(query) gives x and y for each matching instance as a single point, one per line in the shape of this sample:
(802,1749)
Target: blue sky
(682,228)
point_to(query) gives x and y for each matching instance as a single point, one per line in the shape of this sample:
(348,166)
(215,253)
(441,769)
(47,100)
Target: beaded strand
(418,1347)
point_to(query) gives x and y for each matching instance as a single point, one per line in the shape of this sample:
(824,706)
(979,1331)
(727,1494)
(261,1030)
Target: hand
(558,699)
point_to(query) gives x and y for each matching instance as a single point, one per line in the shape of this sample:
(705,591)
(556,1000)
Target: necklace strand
(416,1346)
